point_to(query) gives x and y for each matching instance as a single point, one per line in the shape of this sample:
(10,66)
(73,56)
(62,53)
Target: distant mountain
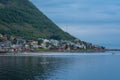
(22,18)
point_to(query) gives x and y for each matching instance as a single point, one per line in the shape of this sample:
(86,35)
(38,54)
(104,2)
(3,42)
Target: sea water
(61,66)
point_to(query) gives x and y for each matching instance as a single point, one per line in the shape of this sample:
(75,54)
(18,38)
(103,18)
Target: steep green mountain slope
(22,18)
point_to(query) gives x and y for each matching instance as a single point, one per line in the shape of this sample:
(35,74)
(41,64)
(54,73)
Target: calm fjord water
(61,67)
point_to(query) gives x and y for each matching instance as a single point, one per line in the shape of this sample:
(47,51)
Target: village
(19,44)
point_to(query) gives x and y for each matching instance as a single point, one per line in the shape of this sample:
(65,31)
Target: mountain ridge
(22,18)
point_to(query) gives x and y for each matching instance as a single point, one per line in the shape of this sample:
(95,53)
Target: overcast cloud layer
(96,21)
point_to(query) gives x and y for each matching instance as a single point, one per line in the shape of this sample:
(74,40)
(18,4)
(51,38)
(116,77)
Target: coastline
(54,54)
(58,53)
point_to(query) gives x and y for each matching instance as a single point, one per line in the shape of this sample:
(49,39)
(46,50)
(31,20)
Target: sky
(94,21)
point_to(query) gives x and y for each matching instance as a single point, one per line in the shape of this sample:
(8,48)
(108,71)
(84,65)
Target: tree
(14,41)
(40,41)
(0,39)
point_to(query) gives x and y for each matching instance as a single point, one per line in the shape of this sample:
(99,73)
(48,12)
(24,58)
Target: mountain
(22,18)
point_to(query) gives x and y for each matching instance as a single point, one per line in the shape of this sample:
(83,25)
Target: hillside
(22,18)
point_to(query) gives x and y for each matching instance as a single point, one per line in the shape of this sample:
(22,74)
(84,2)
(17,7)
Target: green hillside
(22,18)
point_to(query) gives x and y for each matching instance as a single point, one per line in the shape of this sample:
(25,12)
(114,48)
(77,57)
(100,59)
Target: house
(1,35)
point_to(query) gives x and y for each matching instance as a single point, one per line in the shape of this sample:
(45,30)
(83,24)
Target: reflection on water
(102,67)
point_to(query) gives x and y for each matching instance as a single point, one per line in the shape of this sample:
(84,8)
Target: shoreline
(56,53)
(51,54)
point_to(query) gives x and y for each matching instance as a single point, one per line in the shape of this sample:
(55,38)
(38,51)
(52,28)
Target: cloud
(91,29)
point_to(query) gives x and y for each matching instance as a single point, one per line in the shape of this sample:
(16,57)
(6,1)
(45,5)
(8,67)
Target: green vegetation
(42,49)
(22,18)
